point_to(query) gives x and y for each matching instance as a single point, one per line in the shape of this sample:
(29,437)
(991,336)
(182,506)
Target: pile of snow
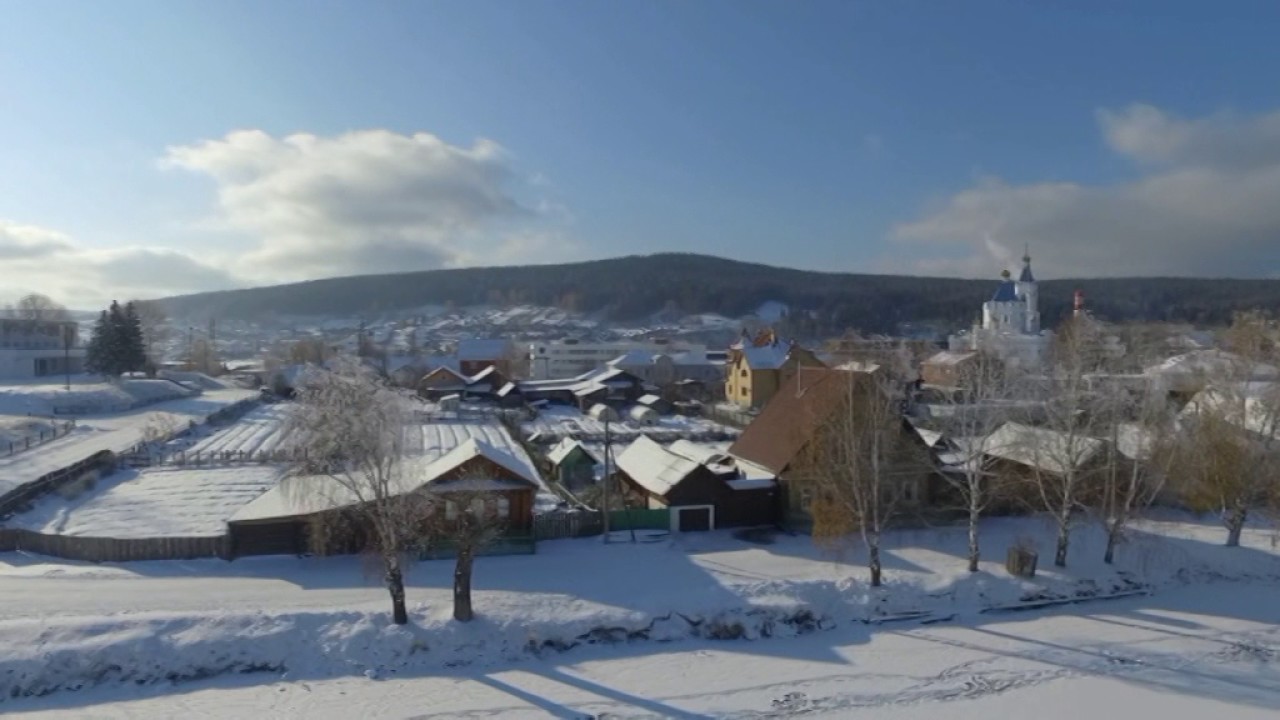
(88,398)
(572,593)
(17,430)
(154,502)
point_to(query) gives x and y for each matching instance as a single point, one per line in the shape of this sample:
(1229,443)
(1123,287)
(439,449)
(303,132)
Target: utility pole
(67,331)
(604,487)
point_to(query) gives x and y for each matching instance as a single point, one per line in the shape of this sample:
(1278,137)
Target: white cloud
(373,201)
(1204,203)
(41,260)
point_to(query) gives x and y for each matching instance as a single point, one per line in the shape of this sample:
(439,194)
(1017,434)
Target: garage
(693,518)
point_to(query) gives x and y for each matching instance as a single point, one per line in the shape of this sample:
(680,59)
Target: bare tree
(38,307)
(1231,450)
(354,434)
(969,415)
(855,463)
(1064,451)
(468,518)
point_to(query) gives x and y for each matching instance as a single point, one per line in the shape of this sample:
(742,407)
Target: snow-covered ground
(260,430)
(153,502)
(115,432)
(87,395)
(557,421)
(704,625)
(1190,654)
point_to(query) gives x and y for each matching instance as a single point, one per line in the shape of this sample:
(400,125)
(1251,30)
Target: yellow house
(756,373)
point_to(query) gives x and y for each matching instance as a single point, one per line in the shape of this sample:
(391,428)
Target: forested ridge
(634,287)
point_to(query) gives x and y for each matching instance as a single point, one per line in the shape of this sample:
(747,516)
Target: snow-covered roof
(949,357)
(633,358)
(566,447)
(930,437)
(445,445)
(768,357)
(701,453)
(1049,450)
(1254,406)
(1212,361)
(482,375)
(653,467)
(482,348)
(507,389)
(649,399)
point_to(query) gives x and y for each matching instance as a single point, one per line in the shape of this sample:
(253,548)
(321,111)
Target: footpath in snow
(68,626)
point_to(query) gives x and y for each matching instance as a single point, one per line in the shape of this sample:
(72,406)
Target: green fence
(640,519)
(515,545)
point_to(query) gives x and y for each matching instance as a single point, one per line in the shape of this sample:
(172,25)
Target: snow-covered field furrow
(261,429)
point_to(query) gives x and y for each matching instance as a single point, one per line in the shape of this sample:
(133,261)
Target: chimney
(1078,304)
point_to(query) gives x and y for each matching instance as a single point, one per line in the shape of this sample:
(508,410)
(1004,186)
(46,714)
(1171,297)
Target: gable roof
(482,348)
(474,448)
(653,467)
(780,431)
(949,357)
(1005,292)
(1042,448)
(633,358)
(444,371)
(565,448)
(768,357)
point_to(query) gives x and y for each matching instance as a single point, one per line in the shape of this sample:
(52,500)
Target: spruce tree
(133,346)
(95,358)
(116,351)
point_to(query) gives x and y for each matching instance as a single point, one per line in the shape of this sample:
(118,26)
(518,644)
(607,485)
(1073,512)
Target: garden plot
(556,422)
(155,502)
(260,431)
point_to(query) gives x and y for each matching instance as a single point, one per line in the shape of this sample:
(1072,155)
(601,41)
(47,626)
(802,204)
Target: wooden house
(572,464)
(785,438)
(704,490)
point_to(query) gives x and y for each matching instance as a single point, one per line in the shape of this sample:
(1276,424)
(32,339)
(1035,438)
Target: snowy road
(1210,651)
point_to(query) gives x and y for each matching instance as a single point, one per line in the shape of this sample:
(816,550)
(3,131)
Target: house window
(744,391)
(450,510)
(806,499)
(477,507)
(744,372)
(504,507)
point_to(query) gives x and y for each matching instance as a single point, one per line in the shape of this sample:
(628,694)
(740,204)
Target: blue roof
(1026,275)
(1005,293)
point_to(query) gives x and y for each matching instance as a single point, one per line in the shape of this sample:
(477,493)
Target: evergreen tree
(132,344)
(95,359)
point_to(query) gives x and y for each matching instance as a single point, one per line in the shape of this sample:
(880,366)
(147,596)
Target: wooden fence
(95,549)
(18,497)
(60,429)
(550,526)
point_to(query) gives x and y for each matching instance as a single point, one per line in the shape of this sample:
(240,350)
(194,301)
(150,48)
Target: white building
(39,348)
(554,359)
(1010,328)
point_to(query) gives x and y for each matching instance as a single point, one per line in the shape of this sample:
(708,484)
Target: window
(909,492)
(504,507)
(744,372)
(477,506)
(450,510)
(806,499)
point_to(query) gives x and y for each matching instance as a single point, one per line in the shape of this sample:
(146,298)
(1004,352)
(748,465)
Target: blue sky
(925,137)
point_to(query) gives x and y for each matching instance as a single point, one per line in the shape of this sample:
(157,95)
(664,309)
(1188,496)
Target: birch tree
(1062,451)
(967,419)
(468,519)
(854,461)
(352,430)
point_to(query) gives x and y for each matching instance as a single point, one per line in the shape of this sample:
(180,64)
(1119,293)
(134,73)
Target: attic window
(744,372)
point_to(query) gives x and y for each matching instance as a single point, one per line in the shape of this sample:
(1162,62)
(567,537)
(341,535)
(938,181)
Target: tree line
(633,288)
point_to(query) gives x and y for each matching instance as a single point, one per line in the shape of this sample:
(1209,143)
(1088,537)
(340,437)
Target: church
(1010,326)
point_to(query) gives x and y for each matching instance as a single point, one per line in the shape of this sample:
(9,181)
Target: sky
(157,148)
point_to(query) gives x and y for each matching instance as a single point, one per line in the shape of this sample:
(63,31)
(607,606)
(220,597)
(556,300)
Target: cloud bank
(1203,202)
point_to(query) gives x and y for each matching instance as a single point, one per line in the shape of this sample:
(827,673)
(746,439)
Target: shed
(603,413)
(573,464)
(450,403)
(651,400)
(643,415)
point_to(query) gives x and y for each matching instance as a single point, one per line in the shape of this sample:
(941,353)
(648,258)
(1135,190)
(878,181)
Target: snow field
(323,617)
(261,430)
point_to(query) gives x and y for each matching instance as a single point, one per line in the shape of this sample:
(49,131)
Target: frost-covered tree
(353,428)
